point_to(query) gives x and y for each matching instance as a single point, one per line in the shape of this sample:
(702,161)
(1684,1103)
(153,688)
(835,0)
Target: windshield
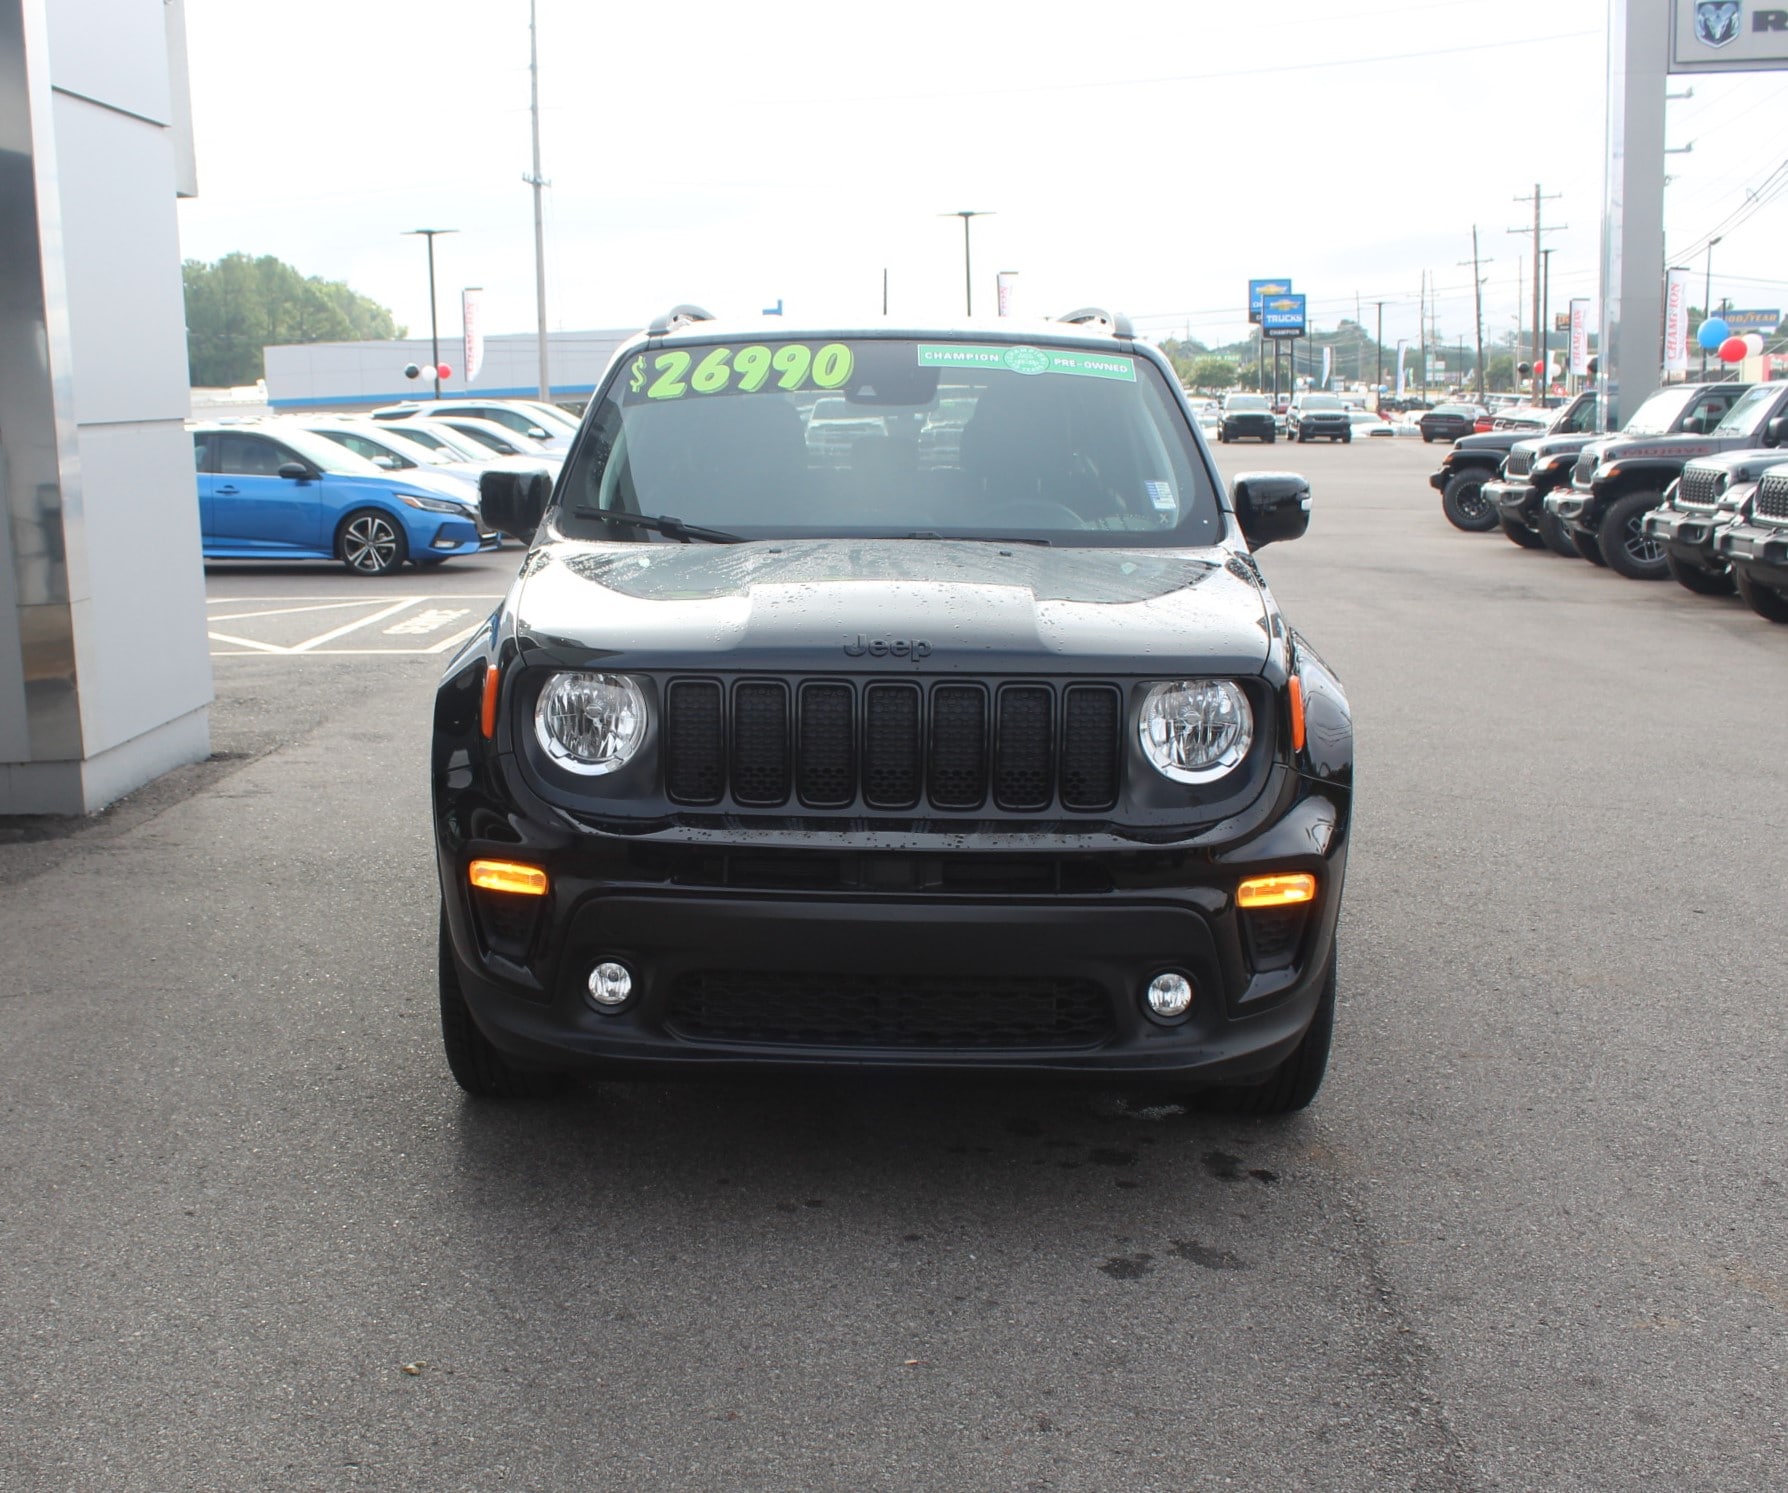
(1321,402)
(886,437)
(1246,402)
(1658,414)
(1752,411)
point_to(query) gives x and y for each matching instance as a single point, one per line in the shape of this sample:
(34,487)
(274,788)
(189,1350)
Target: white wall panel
(115,51)
(121,240)
(141,649)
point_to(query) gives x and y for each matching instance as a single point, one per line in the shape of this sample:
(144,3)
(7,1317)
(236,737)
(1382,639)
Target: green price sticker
(1029,361)
(678,372)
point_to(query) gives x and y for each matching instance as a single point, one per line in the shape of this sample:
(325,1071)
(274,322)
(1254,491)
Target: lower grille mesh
(888,1011)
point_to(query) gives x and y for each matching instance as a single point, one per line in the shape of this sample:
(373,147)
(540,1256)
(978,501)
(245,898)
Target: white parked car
(546,425)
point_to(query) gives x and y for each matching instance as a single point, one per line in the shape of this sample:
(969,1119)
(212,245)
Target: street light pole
(968,276)
(1707,299)
(434,325)
(535,180)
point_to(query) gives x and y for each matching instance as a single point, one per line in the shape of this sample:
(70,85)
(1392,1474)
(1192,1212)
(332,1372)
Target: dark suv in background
(1319,417)
(1447,422)
(1247,417)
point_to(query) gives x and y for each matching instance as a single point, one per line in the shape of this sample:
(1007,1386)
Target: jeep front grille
(1584,472)
(888,746)
(1519,464)
(1698,489)
(1772,497)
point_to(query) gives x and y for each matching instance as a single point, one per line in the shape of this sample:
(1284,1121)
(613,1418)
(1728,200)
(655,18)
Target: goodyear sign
(1728,36)
(1259,290)
(1764,321)
(1282,315)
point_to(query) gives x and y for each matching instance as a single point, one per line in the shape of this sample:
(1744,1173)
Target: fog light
(1169,994)
(611,985)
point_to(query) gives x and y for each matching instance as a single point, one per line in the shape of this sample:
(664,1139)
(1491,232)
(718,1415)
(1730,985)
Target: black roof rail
(1116,320)
(675,317)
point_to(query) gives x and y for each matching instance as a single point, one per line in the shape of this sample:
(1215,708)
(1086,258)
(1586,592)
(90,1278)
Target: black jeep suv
(1620,479)
(1473,460)
(995,758)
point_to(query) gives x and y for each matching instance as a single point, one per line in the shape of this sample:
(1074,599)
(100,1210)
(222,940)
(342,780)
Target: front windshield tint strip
(883,438)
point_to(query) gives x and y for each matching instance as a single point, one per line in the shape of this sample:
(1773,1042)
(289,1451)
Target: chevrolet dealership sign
(1728,36)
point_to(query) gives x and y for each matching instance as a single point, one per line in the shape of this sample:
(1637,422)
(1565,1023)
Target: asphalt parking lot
(1529,1237)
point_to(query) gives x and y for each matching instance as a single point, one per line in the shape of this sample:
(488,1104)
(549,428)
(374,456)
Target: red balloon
(445,372)
(1732,350)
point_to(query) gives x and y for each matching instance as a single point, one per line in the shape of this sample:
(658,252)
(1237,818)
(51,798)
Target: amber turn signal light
(1297,713)
(1276,891)
(508,876)
(487,714)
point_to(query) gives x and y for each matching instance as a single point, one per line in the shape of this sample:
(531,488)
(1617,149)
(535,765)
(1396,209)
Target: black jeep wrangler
(1473,460)
(997,756)
(1619,479)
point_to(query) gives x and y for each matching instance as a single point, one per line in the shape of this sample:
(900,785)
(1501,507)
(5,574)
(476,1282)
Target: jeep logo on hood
(914,648)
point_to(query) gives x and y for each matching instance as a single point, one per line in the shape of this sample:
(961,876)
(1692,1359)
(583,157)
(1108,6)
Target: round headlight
(590,723)
(1194,730)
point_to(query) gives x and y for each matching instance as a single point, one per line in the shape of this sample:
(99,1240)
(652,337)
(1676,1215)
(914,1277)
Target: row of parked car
(1693,487)
(397,485)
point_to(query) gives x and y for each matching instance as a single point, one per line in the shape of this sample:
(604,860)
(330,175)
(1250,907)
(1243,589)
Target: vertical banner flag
(1402,352)
(1003,290)
(471,301)
(1580,337)
(1676,321)
(1328,357)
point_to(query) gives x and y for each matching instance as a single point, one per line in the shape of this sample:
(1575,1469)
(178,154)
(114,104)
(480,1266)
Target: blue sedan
(272,492)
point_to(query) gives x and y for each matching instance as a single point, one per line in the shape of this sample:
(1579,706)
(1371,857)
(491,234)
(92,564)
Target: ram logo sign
(1728,36)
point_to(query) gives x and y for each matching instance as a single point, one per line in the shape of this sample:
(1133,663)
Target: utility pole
(1477,290)
(968,274)
(535,180)
(1378,347)
(1422,333)
(1546,308)
(1539,345)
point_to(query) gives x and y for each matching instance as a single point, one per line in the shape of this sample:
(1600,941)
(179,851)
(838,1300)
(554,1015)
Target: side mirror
(515,501)
(1776,431)
(1692,425)
(536,433)
(295,471)
(1271,506)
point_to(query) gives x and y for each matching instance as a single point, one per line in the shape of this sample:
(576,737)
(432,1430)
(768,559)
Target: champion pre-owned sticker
(1026,360)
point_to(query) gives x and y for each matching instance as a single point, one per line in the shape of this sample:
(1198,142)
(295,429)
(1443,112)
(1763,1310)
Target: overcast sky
(1147,157)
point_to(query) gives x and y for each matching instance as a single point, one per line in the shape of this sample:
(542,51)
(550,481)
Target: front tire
(1765,601)
(1294,1083)
(1465,505)
(476,1065)
(1628,548)
(1519,533)
(1555,536)
(371,543)
(1698,578)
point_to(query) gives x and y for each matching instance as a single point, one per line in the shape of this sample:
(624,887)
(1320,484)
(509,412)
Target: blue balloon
(1713,332)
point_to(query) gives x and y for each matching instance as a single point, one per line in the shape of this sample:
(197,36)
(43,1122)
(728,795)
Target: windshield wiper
(671,528)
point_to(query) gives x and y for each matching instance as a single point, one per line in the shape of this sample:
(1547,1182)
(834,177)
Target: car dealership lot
(1529,1235)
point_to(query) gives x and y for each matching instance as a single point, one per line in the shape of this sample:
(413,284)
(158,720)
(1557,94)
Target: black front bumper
(1760,550)
(798,960)
(1688,536)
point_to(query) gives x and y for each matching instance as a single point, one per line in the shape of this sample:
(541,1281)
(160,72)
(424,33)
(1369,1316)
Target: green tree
(240,305)
(1210,372)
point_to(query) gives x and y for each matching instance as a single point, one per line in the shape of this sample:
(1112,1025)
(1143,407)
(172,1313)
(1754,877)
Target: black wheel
(1520,534)
(1587,545)
(1293,1084)
(1222,438)
(371,543)
(1625,544)
(476,1065)
(1698,578)
(1555,536)
(1270,437)
(1427,440)
(1465,505)
(1765,601)
(1346,440)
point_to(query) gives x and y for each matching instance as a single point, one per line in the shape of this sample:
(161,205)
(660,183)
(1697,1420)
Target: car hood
(1746,465)
(1492,440)
(893,605)
(1663,447)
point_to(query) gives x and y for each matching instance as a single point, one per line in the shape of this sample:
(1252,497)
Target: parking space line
(248,643)
(326,606)
(458,638)
(341,632)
